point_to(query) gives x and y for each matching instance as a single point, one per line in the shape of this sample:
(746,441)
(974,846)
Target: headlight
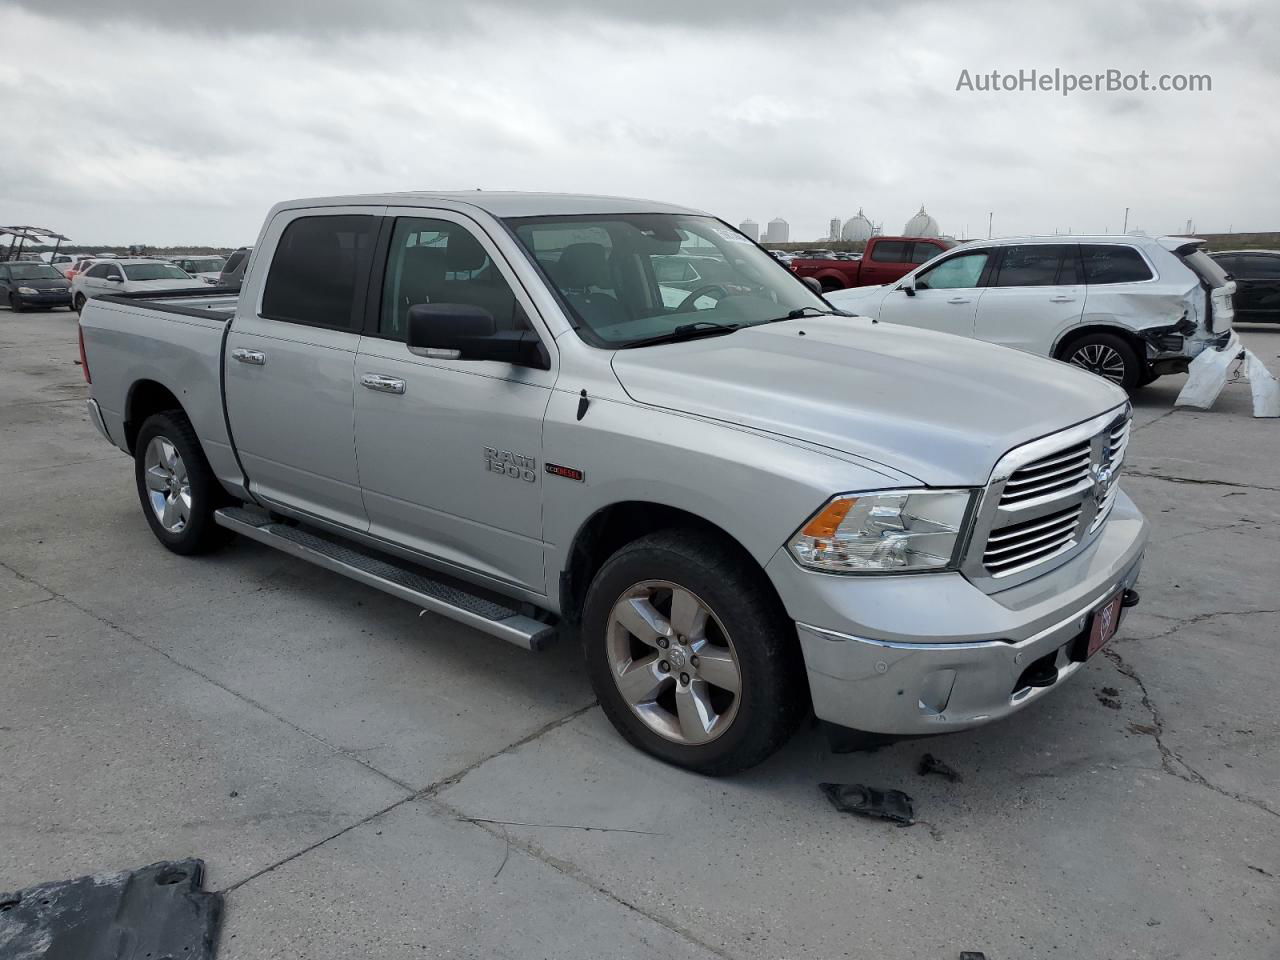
(898,531)
(29,291)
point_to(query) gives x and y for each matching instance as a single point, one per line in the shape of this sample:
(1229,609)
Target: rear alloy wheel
(1107,356)
(690,653)
(178,490)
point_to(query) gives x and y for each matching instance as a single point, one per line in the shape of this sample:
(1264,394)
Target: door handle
(256,357)
(958,300)
(381,383)
(1062,299)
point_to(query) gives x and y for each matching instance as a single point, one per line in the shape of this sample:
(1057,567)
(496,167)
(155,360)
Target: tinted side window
(435,261)
(318,270)
(1113,263)
(1030,265)
(234,261)
(924,252)
(890,251)
(1259,268)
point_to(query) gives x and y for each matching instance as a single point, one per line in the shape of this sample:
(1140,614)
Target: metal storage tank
(858,228)
(922,225)
(750,228)
(778,231)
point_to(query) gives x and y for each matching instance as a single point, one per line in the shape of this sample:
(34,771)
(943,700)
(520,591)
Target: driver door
(946,295)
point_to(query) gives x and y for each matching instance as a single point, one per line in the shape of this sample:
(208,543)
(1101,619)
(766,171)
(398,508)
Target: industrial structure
(922,225)
(750,228)
(778,231)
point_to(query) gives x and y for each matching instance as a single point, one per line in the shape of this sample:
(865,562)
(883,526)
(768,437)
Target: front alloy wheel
(673,662)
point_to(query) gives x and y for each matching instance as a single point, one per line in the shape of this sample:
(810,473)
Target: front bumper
(932,653)
(52,298)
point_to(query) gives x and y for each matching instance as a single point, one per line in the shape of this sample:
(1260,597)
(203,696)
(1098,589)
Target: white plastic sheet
(1208,373)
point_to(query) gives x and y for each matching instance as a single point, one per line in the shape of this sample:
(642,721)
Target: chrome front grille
(1046,499)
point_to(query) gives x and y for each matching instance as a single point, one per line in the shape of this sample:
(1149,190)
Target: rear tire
(77,302)
(1106,355)
(176,486)
(726,630)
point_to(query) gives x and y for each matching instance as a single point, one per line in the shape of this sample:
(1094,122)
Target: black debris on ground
(972,955)
(157,911)
(931,764)
(869,802)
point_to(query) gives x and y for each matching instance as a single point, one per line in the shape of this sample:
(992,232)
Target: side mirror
(460,331)
(908,286)
(115,279)
(812,284)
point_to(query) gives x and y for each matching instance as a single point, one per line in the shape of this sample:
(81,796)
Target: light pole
(1125,228)
(989,216)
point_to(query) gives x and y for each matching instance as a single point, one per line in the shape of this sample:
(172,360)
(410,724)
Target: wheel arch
(613,526)
(145,398)
(1069,336)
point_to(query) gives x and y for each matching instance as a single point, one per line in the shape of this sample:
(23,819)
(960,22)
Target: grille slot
(1053,474)
(1021,544)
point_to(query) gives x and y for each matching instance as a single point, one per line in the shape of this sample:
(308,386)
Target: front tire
(15,304)
(1107,356)
(77,302)
(690,654)
(176,486)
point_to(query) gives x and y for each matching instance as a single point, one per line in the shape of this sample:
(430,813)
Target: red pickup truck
(884,260)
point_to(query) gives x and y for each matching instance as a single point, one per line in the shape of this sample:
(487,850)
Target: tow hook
(1130,598)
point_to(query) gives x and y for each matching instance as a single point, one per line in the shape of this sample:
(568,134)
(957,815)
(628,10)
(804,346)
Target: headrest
(464,251)
(583,265)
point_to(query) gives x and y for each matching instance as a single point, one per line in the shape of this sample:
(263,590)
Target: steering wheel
(687,303)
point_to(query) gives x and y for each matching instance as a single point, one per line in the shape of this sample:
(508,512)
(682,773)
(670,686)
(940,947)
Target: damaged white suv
(1126,308)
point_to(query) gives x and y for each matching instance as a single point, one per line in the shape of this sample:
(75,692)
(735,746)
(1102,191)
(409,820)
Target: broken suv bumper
(932,653)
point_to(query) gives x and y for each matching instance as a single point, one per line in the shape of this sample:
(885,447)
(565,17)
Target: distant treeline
(123,251)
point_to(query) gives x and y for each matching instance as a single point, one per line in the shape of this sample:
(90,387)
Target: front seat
(583,273)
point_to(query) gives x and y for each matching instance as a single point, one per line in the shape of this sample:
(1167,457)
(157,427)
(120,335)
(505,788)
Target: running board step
(405,582)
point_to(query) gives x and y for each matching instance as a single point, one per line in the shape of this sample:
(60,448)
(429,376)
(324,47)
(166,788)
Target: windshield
(631,278)
(33,271)
(154,271)
(202,265)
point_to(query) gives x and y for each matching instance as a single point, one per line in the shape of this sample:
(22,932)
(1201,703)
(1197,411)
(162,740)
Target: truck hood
(939,408)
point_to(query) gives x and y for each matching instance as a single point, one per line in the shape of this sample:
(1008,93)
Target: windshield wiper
(689,331)
(800,312)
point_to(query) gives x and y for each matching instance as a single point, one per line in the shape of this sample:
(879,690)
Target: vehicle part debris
(869,802)
(931,764)
(156,911)
(972,955)
(1208,373)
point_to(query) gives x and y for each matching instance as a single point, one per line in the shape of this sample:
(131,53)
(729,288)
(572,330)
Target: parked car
(128,276)
(232,274)
(79,265)
(24,284)
(741,505)
(1129,309)
(884,260)
(208,269)
(1257,277)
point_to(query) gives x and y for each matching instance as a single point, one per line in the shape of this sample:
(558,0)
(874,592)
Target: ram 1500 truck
(884,260)
(743,502)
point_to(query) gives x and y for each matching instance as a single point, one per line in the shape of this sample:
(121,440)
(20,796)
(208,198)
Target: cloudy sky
(181,122)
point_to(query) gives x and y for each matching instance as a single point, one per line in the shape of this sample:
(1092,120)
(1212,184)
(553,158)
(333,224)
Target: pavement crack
(1201,618)
(1130,472)
(1172,762)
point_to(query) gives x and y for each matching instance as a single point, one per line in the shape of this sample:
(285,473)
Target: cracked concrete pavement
(365,782)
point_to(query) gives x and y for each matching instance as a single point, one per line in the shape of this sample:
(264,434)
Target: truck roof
(500,203)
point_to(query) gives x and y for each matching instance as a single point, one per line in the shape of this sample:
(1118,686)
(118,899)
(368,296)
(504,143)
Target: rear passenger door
(1036,292)
(290,360)
(450,451)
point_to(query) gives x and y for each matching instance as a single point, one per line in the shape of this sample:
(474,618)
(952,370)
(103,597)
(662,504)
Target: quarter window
(963,270)
(1113,263)
(318,270)
(436,261)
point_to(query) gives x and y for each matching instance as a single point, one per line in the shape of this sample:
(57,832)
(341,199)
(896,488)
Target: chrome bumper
(925,675)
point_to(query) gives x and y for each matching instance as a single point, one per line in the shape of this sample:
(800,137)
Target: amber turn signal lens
(825,524)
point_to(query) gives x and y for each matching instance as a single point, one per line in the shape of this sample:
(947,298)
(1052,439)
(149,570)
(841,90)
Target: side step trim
(383,574)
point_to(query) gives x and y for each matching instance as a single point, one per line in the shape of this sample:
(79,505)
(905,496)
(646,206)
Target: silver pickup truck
(625,421)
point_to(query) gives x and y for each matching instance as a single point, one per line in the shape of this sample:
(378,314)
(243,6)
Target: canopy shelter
(20,235)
